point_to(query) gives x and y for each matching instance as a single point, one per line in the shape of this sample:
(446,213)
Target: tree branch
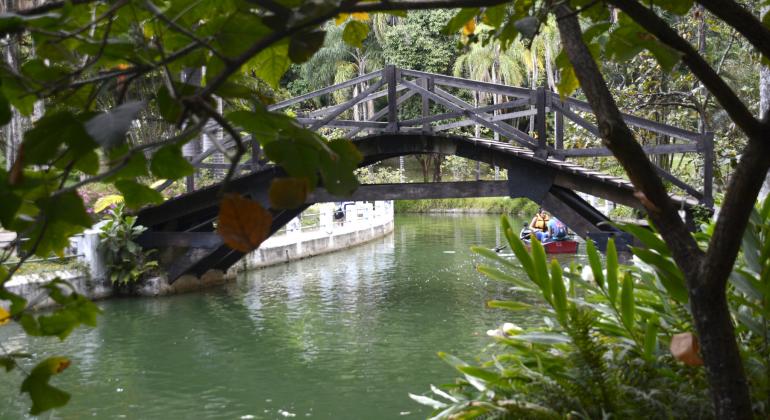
(734,107)
(620,140)
(743,21)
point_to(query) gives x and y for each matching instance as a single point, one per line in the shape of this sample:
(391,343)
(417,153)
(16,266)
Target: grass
(494,205)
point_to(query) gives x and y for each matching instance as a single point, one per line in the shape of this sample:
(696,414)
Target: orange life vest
(541,222)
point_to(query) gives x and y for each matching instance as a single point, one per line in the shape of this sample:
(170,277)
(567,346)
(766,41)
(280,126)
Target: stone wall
(363,222)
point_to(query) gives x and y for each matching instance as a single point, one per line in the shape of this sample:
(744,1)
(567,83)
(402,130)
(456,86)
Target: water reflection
(344,335)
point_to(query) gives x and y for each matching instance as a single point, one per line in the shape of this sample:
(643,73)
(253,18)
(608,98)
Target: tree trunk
(706,274)
(764,106)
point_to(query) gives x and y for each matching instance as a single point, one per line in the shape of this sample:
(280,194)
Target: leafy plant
(127,262)
(603,350)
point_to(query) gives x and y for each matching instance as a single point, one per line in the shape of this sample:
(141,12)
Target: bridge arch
(183,227)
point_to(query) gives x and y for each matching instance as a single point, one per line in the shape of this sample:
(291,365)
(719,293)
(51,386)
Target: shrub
(603,350)
(127,262)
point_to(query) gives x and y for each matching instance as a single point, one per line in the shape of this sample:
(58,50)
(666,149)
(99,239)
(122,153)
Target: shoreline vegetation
(484,205)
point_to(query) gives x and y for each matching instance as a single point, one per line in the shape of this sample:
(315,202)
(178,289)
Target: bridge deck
(536,157)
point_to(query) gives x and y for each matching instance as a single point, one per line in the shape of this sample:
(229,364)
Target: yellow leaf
(470,27)
(243,224)
(341,18)
(5,316)
(104,202)
(288,193)
(362,16)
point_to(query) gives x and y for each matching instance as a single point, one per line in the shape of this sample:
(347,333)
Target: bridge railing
(517,115)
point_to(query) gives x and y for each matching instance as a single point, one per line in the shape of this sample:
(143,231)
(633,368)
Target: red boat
(564,246)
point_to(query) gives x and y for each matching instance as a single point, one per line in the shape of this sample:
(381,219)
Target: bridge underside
(183,227)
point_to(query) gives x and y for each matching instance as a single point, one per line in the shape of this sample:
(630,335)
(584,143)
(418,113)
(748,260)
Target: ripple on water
(344,335)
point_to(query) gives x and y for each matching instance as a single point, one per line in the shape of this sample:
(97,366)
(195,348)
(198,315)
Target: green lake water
(340,336)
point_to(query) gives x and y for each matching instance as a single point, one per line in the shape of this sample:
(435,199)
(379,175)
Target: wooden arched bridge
(535,154)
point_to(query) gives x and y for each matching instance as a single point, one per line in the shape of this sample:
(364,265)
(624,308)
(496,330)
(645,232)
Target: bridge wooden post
(390,74)
(708,168)
(427,84)
(540,124)
(558,126)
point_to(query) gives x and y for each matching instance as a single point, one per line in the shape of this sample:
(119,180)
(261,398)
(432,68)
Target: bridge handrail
(536,104)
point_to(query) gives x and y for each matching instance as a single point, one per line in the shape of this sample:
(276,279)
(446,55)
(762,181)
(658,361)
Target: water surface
(341,336)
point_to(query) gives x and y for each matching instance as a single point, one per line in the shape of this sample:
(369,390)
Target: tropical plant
(126,261)
(604,348)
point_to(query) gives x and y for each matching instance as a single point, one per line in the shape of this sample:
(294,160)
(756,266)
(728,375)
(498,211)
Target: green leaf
(302,46)
(452,360)
(648,237)
(459,20)
(355,33)
(668,273)
(679,7)
(18,95)
(612,271)
(134,167)
(136,194)
(627,305)
(494,16)
(494,256)
(559,292)
(168,163)
(568,81)
(44,396)
(542,278)
(337,167)
(595,262)
(169,108)
(508,305)
(498,275)
(266,126)
(5,110)
(651,337)
(628,39)
(64,216)
(477,372)
(271,63)
(42,142)
(542,338)
(518,248)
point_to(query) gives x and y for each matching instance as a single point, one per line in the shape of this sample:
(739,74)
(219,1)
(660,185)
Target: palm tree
(337,62)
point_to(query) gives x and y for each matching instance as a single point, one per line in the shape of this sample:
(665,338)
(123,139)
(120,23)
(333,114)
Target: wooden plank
(639,122)
(558,125)
(540,129)
(507,130)
(323,111)
(204,240)
(320,123)
(678,182)
(427,84)
(381,113)
(577,119)
(414,191)
(343,123)
(455,114)
(390,78)
(499,117)
(663,149)
(324,91)
(457,82)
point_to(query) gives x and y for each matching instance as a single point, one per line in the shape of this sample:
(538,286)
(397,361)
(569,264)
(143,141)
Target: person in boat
(557,231)
(539,225)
